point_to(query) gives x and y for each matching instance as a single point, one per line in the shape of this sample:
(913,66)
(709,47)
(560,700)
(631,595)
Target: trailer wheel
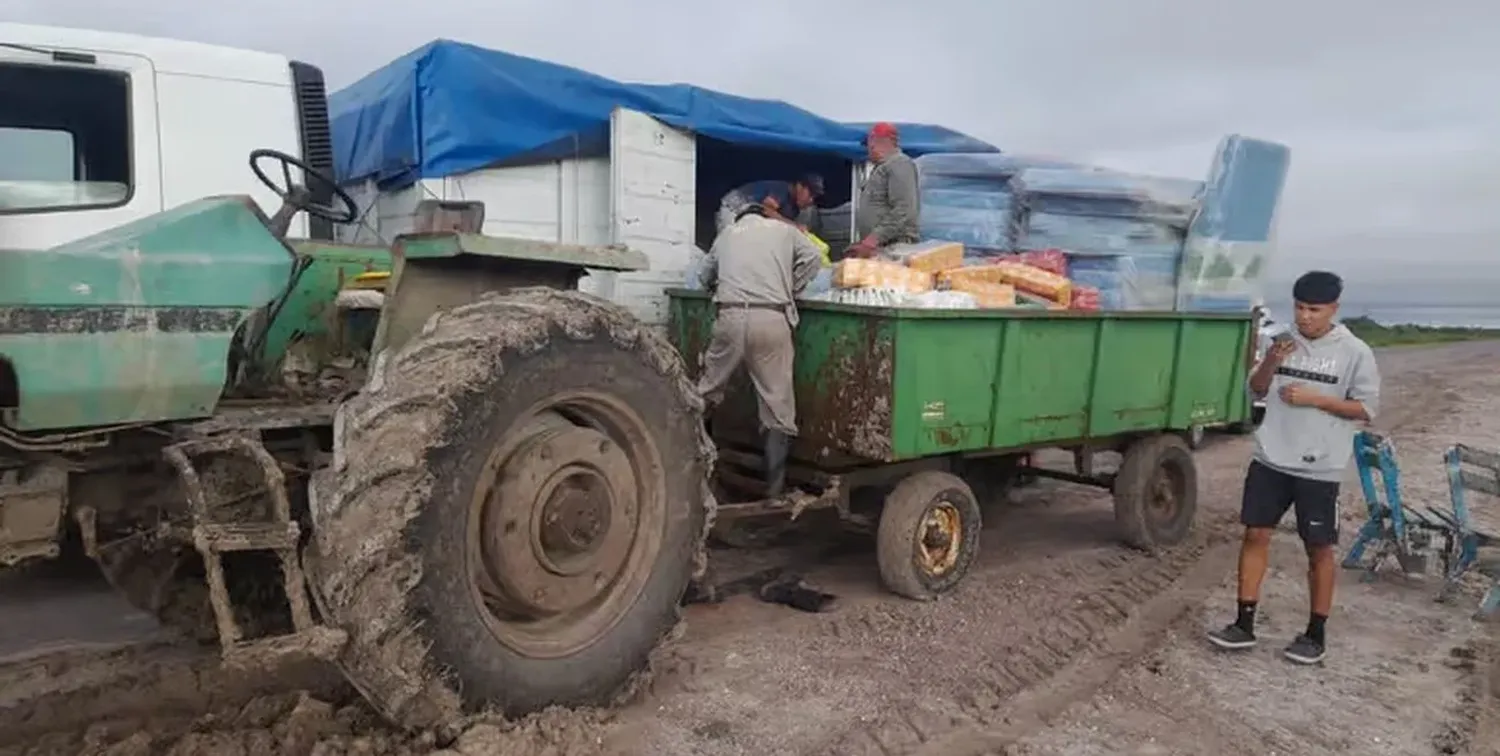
(1156,492)
(928,535)
(515,509)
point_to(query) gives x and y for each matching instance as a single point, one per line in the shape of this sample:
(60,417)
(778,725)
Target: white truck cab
(100,129)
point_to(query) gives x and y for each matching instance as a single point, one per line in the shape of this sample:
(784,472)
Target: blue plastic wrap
(1231,239)
(448,108)
(1081,234)
(1123,233)
(1128,282)
(1103,192)
(977,219)
(966,197)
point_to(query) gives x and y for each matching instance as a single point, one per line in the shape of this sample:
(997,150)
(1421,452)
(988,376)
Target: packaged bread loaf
(1037,281)
(992,273)
(857,273)
(985,293)
(931,256)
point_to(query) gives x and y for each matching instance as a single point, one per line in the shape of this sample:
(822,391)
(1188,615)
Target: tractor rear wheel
(516,506)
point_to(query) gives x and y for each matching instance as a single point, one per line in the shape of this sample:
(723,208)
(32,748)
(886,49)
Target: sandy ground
(1059,642)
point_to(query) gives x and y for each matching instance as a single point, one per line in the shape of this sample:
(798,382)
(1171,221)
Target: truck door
(78,130)
(653,177)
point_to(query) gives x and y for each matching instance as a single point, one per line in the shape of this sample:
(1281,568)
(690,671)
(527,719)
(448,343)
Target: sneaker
(1304,650)
(1232,638)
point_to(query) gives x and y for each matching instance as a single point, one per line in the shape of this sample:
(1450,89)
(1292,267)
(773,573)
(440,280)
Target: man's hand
(1302,395)
(1280,350)
(865,247)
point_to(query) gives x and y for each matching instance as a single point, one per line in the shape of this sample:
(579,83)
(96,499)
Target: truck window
(65,138)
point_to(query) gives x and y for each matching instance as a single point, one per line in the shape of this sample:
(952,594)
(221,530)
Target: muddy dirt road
(1059,642)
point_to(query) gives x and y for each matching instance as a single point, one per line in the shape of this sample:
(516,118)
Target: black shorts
(1270,492)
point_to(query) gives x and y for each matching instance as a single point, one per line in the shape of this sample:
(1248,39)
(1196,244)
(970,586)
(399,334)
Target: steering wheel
(301,197)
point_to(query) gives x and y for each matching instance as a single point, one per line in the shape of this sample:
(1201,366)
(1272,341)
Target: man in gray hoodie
(1320,383)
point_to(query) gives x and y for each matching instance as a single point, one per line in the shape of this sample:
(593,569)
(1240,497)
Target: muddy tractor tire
(1156,492)
(516,505)
(928,535)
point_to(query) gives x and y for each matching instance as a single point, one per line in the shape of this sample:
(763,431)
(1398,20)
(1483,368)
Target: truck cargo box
(889,384)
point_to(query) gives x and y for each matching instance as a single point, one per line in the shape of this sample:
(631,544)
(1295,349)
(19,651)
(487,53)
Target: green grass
(1378,335)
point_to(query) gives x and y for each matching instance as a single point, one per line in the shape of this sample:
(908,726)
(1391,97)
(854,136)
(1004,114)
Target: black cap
(813,182)
(1318,287)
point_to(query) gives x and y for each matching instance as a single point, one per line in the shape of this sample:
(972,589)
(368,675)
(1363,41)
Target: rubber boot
(778,445)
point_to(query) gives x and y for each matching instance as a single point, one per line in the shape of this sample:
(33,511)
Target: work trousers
(762,340)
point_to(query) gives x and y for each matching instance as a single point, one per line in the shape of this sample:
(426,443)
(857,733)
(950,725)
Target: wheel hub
(1163,494)
(559,524)
(938,539)
(576,515)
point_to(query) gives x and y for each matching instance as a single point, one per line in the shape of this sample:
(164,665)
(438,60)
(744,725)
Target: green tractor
(437,464)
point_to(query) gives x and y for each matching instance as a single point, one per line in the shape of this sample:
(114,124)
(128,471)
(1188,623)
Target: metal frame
(1409,534)
(834,488)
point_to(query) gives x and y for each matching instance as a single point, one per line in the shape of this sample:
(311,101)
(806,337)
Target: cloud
(1386,110)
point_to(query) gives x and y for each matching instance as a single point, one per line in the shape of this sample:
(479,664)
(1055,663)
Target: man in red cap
(888,200)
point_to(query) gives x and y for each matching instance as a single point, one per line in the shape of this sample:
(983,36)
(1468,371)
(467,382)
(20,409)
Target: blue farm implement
(1413,534)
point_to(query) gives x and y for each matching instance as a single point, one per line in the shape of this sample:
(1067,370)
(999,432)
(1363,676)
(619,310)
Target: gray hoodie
(1309,442)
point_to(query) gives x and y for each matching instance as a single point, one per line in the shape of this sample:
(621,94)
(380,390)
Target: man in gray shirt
(757,268)
(889,203)
(1320,383)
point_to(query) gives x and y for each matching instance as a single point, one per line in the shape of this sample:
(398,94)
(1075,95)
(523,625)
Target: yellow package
(973,273)
(1036,281)
(987,294)
(857,273)
(933,257)
(822,248)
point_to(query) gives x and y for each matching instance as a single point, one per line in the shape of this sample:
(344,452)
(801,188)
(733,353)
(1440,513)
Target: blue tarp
(448,108)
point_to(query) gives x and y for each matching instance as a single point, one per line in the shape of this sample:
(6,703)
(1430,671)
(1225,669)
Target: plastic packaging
(1127,282)
(1050,260)
(880,274)
(692,277)
(1123,233)
(943,300)
(1089,235)
(988,273)
(1230,240)
(929,256)
(986,294)
(1105,193)
(1084,298)
(821,283)
(928,300)
(1037,281)
(967,198)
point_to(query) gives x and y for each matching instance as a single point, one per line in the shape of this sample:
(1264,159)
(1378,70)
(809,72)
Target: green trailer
(909,417)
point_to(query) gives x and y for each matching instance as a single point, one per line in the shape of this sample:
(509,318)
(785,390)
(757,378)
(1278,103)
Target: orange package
(993,273)
(932,257)
(858,273)
(1037,281)
(987,294)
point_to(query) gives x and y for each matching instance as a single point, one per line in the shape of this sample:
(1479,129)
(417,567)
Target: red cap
(884,130)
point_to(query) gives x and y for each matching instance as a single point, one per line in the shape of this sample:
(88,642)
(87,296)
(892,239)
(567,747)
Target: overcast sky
(1389,108)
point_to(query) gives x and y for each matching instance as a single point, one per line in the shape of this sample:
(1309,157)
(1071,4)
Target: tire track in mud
(1157,588)
(1073,655)
(68,691)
